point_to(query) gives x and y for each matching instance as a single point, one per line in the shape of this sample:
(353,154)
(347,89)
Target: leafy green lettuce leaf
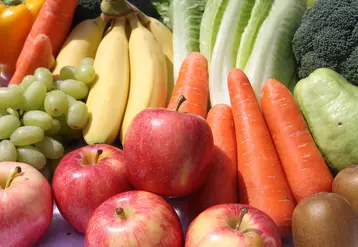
(163,8)
(272,56)
(232,25)
(259,14)
(210,23)
(185,19)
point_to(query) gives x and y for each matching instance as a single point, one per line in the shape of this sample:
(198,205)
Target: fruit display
(26,205)
(102,168)
(39,110)
(234,225)
(178,123)
(133,218)
(184,160)
(313,215)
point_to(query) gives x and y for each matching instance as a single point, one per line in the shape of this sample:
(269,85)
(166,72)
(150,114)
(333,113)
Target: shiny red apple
(26,205)
(168,152)
(85,178)
(233,225)
(134,219)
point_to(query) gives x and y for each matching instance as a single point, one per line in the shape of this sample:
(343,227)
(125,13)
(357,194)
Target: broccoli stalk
(328,38)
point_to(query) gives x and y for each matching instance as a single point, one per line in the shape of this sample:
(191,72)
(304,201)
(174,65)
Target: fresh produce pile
(38,111)
(243,110)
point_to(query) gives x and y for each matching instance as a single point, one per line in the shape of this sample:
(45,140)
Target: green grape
(55,128)
(76,89)
(85,73)
(50,147)
(27,81)
(32,156)
(38,118)
(67,72)
(7,151)
(16,87)
(77,115)
(87,61)
(44,75)
(8,124)
(56,103)
(13,112)
(3,112)
(27,135)
(11,98)
(34,96)
(71,100)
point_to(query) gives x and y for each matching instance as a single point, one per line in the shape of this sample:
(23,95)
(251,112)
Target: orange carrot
(39,56)
(305,169)
(193,84)
(221,184)
(261,179)
(53,20)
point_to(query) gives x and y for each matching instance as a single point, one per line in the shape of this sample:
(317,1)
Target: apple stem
(15,172)
(243,211)
(99,152)
(180,101)
(121,214)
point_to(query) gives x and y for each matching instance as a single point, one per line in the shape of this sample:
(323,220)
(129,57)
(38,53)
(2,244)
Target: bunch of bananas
(134,66)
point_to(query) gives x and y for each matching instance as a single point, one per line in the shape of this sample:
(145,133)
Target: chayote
(329,104)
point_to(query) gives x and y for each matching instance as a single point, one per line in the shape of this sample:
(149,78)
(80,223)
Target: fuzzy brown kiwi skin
(346,185)
(325,220)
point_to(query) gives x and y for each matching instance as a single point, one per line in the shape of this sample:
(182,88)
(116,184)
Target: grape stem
(14,173)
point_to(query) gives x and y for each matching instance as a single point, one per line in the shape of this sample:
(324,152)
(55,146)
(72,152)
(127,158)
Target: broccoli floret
(328,38)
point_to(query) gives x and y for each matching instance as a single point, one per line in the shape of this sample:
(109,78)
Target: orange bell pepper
(16,19)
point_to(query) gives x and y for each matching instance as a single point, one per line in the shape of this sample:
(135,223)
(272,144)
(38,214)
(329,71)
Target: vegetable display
(260,173)
(254,48)
(54,21)
(16,20)
(185,19)
(328,38)
(291,136)
(178,122)
(193,84)
(328,102)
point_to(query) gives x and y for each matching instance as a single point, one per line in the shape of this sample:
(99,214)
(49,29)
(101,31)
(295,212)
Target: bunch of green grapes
(37,114)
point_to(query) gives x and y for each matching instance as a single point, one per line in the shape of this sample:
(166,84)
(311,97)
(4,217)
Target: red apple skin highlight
(215,227)
(149,221)
(167,152)
(80,185)
(26,207)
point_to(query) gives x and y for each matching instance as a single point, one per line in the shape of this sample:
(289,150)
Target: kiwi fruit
(346,185)
(325,220)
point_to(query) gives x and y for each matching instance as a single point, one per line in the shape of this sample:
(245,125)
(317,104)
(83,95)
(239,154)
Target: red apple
(168,152)
(134,219)
(235,225)
(85,178)
(26,205)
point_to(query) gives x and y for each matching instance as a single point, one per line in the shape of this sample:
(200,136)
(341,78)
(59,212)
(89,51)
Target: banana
(148,72)
(165,38)
(82,42)
(107,98)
